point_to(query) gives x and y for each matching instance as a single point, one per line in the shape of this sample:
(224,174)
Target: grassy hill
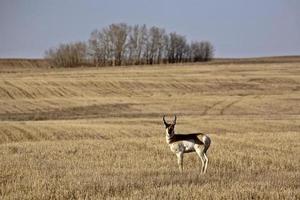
(12,63)
(95,133)
(19,63)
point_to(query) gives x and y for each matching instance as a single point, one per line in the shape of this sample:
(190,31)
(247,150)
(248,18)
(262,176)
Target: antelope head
(170,127)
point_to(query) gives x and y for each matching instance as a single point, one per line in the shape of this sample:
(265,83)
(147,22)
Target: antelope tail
(206,141)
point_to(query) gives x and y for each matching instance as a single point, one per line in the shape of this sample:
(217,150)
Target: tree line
(122,44)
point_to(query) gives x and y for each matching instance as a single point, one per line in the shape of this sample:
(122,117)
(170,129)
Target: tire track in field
(205,112)
(21,90)
(24,133)
(220,107)
(226,107)
(7,93)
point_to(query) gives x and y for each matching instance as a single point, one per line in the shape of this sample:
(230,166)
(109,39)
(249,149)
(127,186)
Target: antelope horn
(174,122)
(165,120)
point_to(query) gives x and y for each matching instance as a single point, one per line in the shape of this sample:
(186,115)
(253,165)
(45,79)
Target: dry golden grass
(91,133)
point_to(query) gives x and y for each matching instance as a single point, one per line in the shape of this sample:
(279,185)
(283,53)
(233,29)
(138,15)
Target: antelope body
(186,143)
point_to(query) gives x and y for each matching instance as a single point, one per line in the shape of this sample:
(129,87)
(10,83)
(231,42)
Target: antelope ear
(174,122)
(166,124)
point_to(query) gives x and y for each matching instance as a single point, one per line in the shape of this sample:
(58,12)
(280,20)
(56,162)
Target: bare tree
(187,55)
(209,50)
(67,55)
(176,47)
(118,37)
(136,43)
(95,50)
(156,43)
(201,51)
(166,48)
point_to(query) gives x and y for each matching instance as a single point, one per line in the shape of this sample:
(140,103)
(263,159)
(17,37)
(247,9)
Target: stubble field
(91,133)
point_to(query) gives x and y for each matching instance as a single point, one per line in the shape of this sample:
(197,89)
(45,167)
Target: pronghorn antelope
(185,143)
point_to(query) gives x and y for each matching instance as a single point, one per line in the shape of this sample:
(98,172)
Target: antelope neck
(171,138)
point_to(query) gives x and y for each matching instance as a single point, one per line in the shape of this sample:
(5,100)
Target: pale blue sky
(237,28)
